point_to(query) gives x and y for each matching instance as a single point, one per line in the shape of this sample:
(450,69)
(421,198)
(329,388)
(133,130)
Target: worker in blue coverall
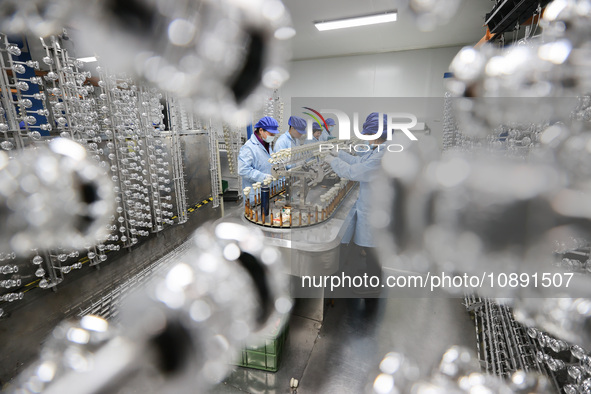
(327,134)
(292,137)
(316,133)
(253,159)
(362,169)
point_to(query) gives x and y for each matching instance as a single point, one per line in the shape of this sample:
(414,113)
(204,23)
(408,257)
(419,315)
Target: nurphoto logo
(394,121)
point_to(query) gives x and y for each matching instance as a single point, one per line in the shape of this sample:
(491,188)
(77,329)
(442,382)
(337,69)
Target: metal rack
(106,304)
(18,119)
(178,119)
(273,106)
(503,344)
(230,146)
(451,134)
(214,166)
(120,124)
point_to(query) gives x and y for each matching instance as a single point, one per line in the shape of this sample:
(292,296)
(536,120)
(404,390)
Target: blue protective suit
(361,169)
(253,162)
(324,136)
(285,141)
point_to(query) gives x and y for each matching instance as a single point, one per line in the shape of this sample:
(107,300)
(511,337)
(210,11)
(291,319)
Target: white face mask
(269,139)
(330,128)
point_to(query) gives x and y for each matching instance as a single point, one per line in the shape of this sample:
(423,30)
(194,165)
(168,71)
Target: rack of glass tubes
(214,164)
(451,135)
(231,143)
(121,125)
(273,106)
(180,119)
(505,346)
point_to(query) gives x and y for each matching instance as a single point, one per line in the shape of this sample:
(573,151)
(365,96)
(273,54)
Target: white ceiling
(466,27)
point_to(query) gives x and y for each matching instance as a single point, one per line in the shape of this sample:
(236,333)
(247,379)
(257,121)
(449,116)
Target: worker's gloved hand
(328,159)
(334,152)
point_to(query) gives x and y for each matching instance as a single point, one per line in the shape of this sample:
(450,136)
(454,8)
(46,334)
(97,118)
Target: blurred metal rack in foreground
(107,305)
(502,343)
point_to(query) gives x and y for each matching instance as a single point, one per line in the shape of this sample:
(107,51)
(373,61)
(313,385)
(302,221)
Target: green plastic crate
(267,356)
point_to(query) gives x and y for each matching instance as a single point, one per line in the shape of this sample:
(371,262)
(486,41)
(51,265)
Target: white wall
(417,73)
